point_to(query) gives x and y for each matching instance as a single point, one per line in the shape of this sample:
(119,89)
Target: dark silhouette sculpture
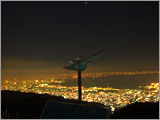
(80,64)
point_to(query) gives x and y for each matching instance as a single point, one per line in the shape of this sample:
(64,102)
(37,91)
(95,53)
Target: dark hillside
(30,105)
(138,111)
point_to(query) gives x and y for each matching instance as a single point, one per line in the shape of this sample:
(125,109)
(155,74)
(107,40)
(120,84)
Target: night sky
(42,37)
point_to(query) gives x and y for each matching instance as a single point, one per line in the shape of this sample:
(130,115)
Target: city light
(115,98)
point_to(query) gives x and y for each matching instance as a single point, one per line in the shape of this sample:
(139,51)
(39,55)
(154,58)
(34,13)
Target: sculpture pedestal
(79,86)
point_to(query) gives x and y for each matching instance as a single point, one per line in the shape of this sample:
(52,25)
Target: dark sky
(46,35)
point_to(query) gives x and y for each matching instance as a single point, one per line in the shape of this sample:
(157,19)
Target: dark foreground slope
(138,111)
(30,105)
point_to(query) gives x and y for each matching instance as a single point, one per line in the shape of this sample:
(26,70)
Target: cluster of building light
(154,86)
(115,98)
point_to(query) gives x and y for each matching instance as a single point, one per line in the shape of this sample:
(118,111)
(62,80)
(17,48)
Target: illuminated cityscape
(113,45)
(115,98)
